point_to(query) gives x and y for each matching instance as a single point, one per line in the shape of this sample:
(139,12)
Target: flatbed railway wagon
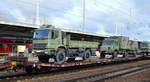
(64,45)
(12,63)
(4,64)
(32,67)
(18,62)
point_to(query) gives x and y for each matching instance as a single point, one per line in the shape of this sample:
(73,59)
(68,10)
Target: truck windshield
(41,34)
(109,42)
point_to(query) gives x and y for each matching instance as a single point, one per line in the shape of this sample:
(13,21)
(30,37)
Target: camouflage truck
(63,45)
(115,46)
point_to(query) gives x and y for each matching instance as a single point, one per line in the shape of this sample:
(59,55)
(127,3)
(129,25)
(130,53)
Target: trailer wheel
(87,55)
(60,57)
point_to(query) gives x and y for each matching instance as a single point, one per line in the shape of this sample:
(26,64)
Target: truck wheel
(60,57)
(87,55)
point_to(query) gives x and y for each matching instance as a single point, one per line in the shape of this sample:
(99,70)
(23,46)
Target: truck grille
(39,46)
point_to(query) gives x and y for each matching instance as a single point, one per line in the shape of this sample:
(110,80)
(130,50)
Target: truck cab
(109,45)
(115,46)
(46,41)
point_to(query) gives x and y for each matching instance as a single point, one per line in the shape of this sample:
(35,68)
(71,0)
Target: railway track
(23,75)
(100,77)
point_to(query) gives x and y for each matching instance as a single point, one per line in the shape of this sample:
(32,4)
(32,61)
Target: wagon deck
(74,64)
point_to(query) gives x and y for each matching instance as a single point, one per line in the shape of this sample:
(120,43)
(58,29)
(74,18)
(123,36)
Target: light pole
(83,20)
(37,12)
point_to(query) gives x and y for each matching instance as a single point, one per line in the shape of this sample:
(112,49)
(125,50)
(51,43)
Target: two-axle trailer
(35,66)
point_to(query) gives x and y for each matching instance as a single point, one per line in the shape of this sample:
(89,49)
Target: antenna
(37,12)
(83,22)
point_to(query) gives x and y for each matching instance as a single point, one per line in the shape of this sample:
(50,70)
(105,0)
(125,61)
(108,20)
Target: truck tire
(60,57)
(86,55)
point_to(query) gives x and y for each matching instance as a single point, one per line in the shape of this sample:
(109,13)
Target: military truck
(64,45)
(115,46)
(145,48)
(134,48)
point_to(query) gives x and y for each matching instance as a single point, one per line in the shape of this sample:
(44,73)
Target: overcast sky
(114,17)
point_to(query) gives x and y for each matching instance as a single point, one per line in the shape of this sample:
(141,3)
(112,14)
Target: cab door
(66,38)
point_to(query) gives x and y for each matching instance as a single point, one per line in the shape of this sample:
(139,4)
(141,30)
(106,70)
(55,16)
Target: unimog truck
(114,47)
(64,45)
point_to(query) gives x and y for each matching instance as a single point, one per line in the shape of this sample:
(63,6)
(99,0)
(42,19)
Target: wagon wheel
(87,55)
(60,57)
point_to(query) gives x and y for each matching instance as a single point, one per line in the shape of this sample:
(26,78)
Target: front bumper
(43,52)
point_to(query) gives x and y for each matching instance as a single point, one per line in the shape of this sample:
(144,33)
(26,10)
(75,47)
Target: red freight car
(12,46)
(6,46)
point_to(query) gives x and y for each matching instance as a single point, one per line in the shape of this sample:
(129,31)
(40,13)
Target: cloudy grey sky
(114,17)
